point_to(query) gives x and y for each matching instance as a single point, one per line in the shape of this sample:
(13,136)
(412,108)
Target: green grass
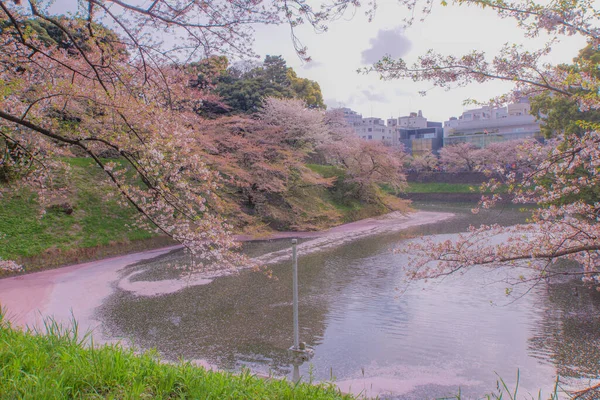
(101,226)
(96,221)
(414,187)
(326,171)
(58,365)
(350,209)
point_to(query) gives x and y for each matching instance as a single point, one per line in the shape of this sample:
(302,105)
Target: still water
(373,332)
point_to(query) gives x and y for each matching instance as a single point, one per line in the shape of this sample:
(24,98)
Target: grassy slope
(415,187)
(99,227)
(58,366)
(352,209)
(95,221)
(345,208)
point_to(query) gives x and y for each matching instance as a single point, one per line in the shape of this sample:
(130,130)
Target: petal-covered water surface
(373,332)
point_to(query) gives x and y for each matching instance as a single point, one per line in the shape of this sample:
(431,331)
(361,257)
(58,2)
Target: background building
(480,127)
(373,129)
(368,128)
(416,134)
(486,125)
(413,121)
(351,116)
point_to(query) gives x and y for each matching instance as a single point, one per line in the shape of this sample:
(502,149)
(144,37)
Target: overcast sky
(352,43)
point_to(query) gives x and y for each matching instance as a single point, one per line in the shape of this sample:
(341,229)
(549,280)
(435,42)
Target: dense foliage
(562,115)
(244,86)
(496,158)
(264,160)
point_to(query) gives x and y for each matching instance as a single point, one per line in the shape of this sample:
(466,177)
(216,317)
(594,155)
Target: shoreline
(315,242)
(75,291)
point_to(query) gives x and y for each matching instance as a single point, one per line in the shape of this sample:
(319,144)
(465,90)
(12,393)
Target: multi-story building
(351,117)
(413,121)
(373,129)
(368,128)
(416,134)
(486,125)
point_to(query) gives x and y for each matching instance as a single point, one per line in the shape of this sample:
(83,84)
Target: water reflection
(422,341)
(569,333)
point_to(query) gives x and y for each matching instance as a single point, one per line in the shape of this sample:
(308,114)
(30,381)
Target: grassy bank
(352,209)
(435,187)
(59,366)
(80,222)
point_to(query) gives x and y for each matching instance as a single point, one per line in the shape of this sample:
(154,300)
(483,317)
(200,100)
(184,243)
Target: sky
(352,43)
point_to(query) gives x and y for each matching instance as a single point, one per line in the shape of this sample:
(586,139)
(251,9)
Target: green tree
(244,90)
(561,115)
(246,95)
(209,71)
(306,90)
(274,70)
(78,35)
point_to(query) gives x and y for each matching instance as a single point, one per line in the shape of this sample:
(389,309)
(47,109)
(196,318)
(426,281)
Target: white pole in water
(295,283)
(296,374)
(299,351)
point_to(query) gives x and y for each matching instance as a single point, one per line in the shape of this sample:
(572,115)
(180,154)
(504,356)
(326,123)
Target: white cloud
(390,42)
(334,103)
(373,95)
(401,92)
(312,65)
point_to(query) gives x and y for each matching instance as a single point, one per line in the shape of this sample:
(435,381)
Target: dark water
(369,328)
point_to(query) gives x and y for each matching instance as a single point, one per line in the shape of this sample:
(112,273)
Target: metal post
(299,352)
(295,283)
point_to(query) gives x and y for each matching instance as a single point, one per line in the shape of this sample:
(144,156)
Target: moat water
(372,332)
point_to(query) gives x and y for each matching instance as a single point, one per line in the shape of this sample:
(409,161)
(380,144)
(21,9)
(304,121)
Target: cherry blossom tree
(512,156)
(425,163)
(565,224)
(124,90)
(303,127)
(259,166)
(370,163)
(460,157)
(499,156)
(367,164)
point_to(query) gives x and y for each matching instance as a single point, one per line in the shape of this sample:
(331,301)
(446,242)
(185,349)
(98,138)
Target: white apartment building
(485,125)
(351,116)
(368,128)
(413,121)
(373,129)
(413,132)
